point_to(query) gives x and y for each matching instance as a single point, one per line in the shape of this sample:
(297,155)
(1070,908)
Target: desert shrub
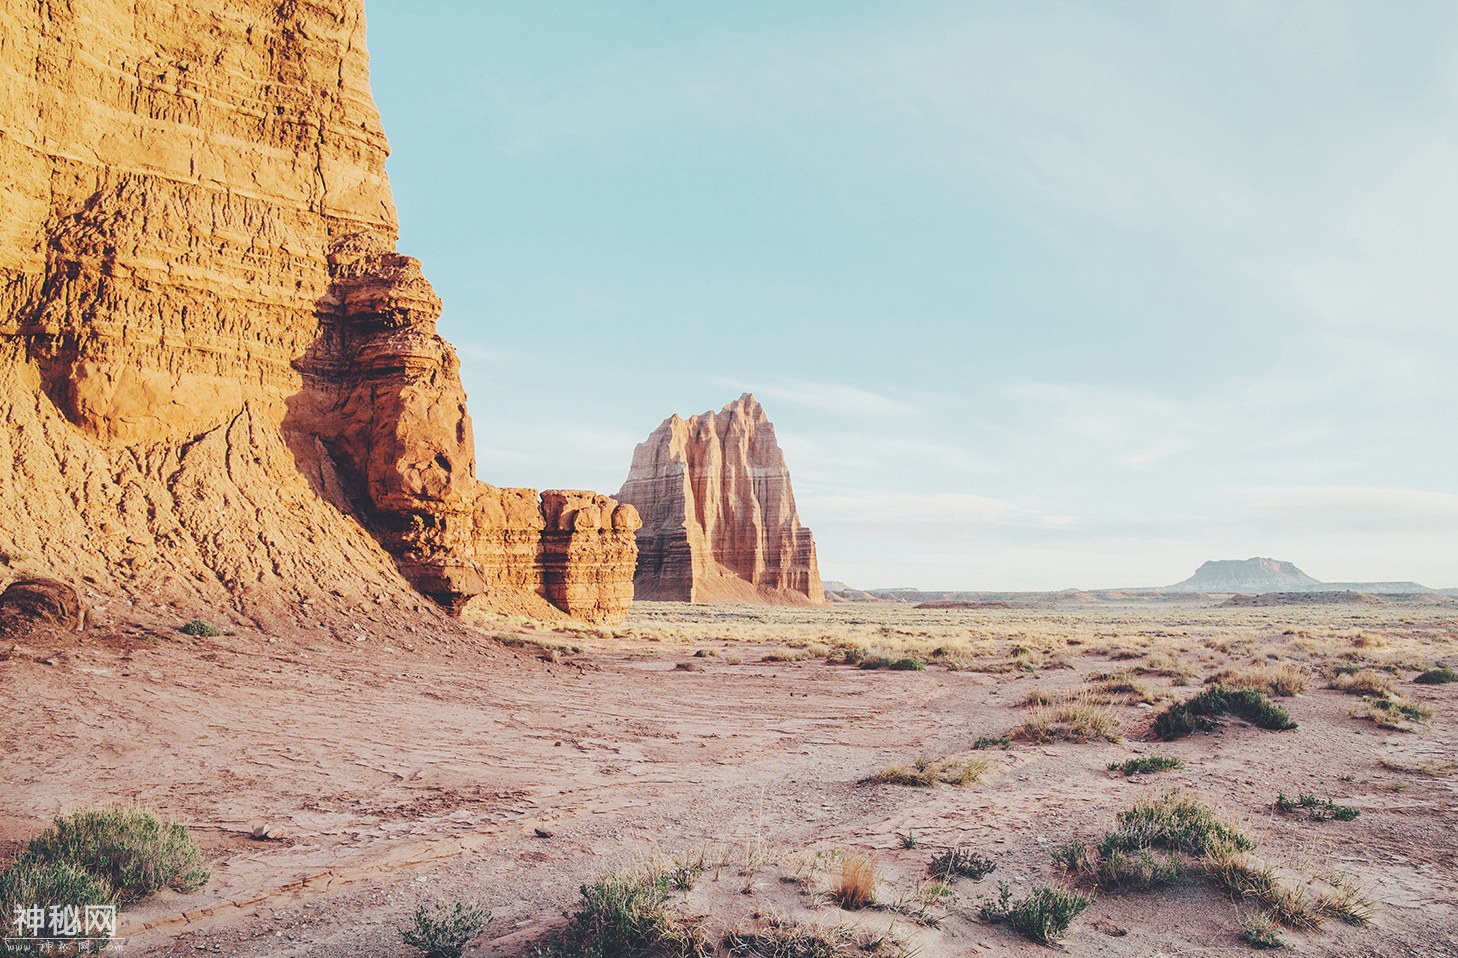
(1318,809)
(961,862)
(1145,765)
(1076,721)
(1043,915)
(201,628)
(1284,680)
(1177,822)
(1110,865)
(1396,714)
(1441,675)
(926,772)
(1200,713)
(1001,741)
(856,886)
(788,939)
(621,916)
(1259,931)
(129,848)
(48,885)
(907,664)
(1363,682)
(444,931)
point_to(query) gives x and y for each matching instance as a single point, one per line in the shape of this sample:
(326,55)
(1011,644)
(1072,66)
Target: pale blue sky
(1037,294)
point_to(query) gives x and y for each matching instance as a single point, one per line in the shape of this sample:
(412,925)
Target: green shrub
(908,664)
(1319,809)
(1441,675)
(129,848)
(444,931)
(621,916)
(1042,916)
(1146,764)
(47,885)
(202,629)
(1002,742)
(1176,822)
(961,862)
(1111,865)
(1199,713)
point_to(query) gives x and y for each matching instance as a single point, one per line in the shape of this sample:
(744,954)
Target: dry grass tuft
(1283,680)
(1363,682)
(926,772)
(1080,720)
(856,886)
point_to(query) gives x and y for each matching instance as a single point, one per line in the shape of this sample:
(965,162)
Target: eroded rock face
(201,303)
(718,513)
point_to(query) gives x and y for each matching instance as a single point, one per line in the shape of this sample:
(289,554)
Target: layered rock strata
(719,519)
(222,384)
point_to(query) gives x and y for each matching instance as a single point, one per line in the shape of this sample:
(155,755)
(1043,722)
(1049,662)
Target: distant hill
(1246,575)
(1255,576)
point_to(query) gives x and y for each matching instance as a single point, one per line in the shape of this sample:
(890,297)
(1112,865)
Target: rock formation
(222,384)
(719,520)
(1257,576)
(1245,575)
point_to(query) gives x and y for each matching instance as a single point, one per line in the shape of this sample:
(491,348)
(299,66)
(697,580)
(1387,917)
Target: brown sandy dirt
(406,768)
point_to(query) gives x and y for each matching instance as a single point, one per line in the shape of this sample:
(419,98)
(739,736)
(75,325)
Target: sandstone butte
(719,520)
(222,385)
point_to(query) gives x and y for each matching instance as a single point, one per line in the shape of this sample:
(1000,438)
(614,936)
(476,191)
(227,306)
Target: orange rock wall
(197,252)
(719,519)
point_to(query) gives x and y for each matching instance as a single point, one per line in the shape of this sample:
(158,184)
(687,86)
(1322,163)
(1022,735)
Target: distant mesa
(719,519)
(1257,576)
(1246,575)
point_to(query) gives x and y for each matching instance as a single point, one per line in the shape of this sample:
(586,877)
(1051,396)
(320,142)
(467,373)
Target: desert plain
(337,779)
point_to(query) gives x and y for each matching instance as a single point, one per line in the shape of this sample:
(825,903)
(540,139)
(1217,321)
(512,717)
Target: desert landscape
(286,672)
(335,783)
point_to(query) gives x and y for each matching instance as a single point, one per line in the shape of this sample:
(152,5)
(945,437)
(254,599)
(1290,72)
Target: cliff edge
(222,384)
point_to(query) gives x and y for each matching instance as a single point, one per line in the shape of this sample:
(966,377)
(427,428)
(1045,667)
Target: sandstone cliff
(222,385)
(719,520)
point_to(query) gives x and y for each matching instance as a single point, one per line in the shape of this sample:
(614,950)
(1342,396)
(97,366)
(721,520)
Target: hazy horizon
(1037,296)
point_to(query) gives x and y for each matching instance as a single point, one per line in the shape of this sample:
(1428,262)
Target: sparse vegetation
(1146,764)
(1365,682)
(1275,680)
(926,772)
(201,629)
(1043,915)
(781,938)
(444,931)
(133,851)
(1201,712)
(986,742)
(622,916)
(1440,675)
(1258,931)
(961,862)
(1074,721)
(1395,713)
(1110,865)
(1318,809)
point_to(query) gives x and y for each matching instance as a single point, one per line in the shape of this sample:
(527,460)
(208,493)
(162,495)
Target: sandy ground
(407,773)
